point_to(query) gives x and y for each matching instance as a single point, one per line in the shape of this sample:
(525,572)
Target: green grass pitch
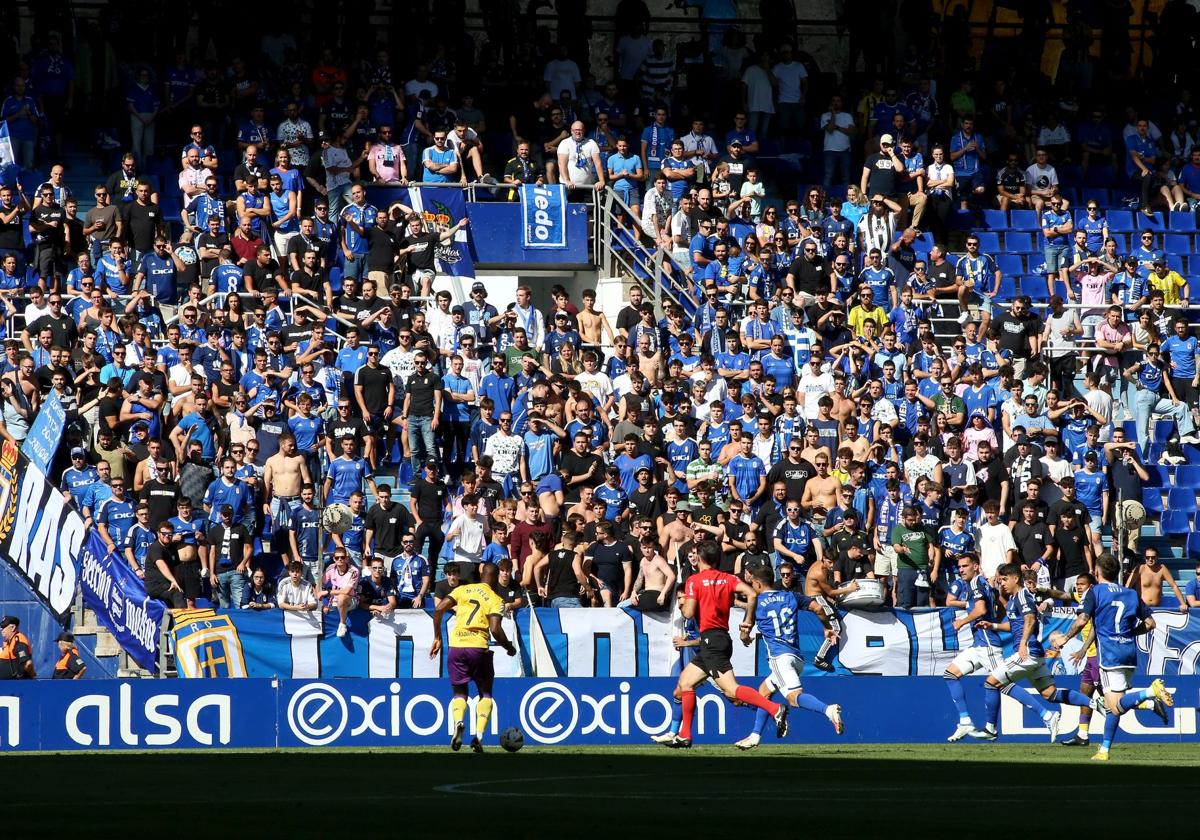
(709,791)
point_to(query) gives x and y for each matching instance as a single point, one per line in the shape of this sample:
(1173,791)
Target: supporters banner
(544,216)
(119,599)
(40,534)
(442,208)
(46,433)
(70,715)
(602,643)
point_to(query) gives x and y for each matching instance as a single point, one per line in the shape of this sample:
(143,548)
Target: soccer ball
(337,518)
(511,739)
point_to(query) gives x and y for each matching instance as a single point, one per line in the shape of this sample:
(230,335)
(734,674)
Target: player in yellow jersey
(1089,678)
(477,610)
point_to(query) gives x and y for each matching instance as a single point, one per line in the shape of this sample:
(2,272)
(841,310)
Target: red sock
(752,698)
(689,710)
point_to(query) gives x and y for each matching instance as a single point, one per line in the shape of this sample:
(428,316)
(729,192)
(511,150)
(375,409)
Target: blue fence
(260,713)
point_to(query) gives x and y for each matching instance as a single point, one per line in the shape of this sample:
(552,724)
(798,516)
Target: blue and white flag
(45,434)
(8,161)
(441,208)
(119,599)
(544,216)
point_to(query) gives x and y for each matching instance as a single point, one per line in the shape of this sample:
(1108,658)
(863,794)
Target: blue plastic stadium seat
(1177,243)
(1175,263)
(989,243)
(995,219)
(1071,194)
(1099,176)
(1023,220)
(1175,523)
(1035,288)
(1163,430)
(1181,498)
(1008,288)
(1182,222)
(1193,546)
(1152,500)
(1188,476)
(1120,221)
(1122,241)
(1159,475)
(1009,263)
(1152,222)
(1096,194)
(1018,242)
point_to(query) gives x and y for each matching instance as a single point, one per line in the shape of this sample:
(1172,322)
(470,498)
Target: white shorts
(976,658)
(886,564)
(1116,679)
(785,672)
(1014,670)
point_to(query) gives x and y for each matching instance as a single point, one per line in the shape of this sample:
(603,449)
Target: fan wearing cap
(1168,281)
(70,665)
(78,478)
(16,654)
(880,173)
(480,315)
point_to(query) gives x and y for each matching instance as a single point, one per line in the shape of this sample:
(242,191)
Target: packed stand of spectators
(275,347)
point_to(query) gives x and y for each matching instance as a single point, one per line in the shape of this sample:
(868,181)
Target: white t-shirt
(789,76)
(596,385)
(506,453)
(580,154)
(470,542)
(836,141)
(813,388)
(1041,177)
(758,90)
(561,74)
(994,543)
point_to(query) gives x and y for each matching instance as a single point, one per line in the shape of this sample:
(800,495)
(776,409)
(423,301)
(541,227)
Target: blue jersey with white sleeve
(1116,613)
(775,616)
(1020,605)
(980,590)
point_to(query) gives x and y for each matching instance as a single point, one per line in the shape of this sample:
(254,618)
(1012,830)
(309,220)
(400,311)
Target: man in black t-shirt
(229,553)
(429,496)
(611,562)
(421,410)
(386,524)
(143,221)
(374,392)
(880,171)
(647,497)
(1019,333)
(584,468)
(793,471)
(162,563)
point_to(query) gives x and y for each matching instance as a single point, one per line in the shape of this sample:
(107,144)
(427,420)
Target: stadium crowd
(852,375)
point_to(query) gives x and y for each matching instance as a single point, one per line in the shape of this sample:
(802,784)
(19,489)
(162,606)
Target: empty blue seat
(1099,176)
(1163,430)
(1183,222)
(1151,222)
(1181,498)
(1096,194)
(1193,546)
(1175,523)
(1023,220)
(1009,264)
(1160,476)
(1120,220)
(1177,243)
(1175,263)
(1122,241)
(1152,500)
(1188,476)
(995,219)
(989,243)
(1018,242)
(1035,288)
(1008,288)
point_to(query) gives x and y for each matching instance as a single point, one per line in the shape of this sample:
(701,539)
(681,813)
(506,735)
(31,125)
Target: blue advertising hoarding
(67,715)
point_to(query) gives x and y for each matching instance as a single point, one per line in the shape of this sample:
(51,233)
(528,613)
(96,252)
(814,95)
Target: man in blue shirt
(440,162)
(21,113)
(1179,352)
(157,274)
(656,144)
(968,153)
(540,440)
(346,474)
(1057,227)
(625,173)
(358,217)
(747,475)
(629,462)
(1141,163)
(227,490)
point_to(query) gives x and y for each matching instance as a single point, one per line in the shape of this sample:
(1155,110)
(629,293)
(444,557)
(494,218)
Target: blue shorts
(1056,258)
(629,195)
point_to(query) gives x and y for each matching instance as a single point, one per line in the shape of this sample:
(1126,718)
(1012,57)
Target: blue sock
(991,704)
(959,696)
(1034,702)
(760,721)
(676,717)
(1110,729)
(807,701)
(1071,698)
(1133,698)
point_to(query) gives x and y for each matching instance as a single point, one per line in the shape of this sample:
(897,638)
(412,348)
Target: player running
(986,653)
(477,610)
(818,585)
(708,596)
(1117,615)
(1028,663)
(775,614)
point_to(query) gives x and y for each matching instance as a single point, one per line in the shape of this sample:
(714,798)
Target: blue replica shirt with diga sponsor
(615,500)
(796,538)
(191,529)
(118,517)
(1116,613)
(364,217)
(746,472)
(776,618)
(236,495)
(680,455)
(1089,490)
(347,475)
(1020,605)
(78,482)
(303,523)
(955,544)
(407,572)
(139,539)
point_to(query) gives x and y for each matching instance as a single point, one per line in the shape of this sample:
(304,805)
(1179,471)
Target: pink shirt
(1113,334)
(386,171)
(338,581)
(1092,289)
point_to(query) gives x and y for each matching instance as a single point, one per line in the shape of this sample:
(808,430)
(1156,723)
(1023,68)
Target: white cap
(887,140)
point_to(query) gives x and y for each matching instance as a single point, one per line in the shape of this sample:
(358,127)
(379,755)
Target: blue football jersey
(1020,605)
(1115,612)
(979,590)
(775,615)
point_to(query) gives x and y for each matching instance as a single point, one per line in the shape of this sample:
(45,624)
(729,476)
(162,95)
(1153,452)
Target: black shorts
(714,652)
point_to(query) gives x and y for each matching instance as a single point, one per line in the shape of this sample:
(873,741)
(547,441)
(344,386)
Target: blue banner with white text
(68,715)
(45,434)
(605,643)
(119,599)
(441,208)
(544,216)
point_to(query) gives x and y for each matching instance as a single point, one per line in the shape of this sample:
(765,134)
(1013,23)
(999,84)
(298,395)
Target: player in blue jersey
(1117,615)
(972,593)
(775,615)
(1028,661)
